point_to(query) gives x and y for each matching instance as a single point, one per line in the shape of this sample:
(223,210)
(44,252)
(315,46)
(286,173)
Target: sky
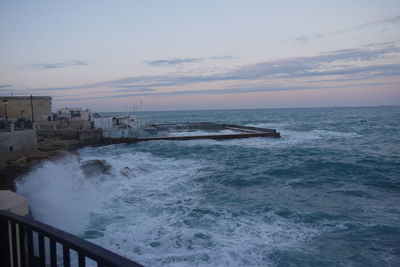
(184,55)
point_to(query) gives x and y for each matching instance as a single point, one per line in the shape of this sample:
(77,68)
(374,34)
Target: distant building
(73,114)
(15,107)
(122,126)
(115,122)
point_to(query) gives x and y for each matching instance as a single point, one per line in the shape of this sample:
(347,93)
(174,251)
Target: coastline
(47,149)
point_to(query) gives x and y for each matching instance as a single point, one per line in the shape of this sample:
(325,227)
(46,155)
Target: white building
(73,114)
(117,126)
(115,122)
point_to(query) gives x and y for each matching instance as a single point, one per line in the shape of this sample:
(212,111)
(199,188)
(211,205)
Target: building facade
(73,114)
(36,108)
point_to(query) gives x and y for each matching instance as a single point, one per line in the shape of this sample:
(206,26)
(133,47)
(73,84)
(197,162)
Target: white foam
(269,125)
(288,138)
(157,217)
(197,133)
(59,194)
(217,240)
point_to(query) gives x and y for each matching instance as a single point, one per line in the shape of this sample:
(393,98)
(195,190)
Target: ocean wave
(61,194)
(191,237)
(156,217)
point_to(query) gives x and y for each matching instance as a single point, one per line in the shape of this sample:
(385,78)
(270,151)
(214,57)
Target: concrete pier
(159,131)
(162,131)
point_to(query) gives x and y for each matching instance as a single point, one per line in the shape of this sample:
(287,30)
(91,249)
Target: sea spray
(60,195)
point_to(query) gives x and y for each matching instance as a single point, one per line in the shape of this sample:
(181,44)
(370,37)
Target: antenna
(137,119)
(143,117)
(141,110)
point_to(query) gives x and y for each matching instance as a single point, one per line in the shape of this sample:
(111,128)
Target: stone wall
(16,144)
(64,125)
(123,132)
(20,107)
(88,135)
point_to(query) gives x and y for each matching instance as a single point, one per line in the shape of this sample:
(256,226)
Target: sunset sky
(174,55)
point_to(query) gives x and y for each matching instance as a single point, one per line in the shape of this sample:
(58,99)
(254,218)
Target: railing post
(4,243)
(66,257)
(42,251)
(53,253)
(22,244)
(31,253)
(14,244)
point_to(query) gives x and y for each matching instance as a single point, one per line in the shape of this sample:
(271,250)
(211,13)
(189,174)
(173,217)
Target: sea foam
(156,214)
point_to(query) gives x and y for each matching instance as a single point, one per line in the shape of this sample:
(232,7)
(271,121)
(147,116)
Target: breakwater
(161,131)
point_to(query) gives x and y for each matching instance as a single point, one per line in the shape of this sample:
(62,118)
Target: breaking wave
(153,210)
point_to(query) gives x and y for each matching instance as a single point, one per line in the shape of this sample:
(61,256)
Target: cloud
(58,65)
(288,68)
(346,64)
(386,21)
(174,61)
(376,23)
(147,84)
(233,90)
(179,61)
(324,64)
(253,89)
(370,71)
(5,86)
(222,57)
(135,90)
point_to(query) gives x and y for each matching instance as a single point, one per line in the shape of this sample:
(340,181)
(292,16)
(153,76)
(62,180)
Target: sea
(327,193)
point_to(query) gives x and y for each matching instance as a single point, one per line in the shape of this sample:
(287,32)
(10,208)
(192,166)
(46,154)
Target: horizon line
(305,107)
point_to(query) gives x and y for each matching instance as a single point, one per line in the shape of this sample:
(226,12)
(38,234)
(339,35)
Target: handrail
(24,244)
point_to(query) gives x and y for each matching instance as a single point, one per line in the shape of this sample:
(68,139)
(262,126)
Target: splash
(60,195)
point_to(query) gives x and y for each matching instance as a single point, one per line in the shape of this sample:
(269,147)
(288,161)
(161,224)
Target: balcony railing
(26,242)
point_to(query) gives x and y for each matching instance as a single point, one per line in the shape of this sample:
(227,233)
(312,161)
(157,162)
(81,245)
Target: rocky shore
(47,148)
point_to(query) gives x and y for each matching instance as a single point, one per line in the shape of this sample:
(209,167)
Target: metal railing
(26,242)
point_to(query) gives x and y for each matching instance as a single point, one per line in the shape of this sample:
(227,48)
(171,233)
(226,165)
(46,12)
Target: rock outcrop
(95,167)
(47,148)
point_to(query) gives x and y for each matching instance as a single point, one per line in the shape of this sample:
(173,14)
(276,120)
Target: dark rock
(9,172)
(95,167)
(128,172)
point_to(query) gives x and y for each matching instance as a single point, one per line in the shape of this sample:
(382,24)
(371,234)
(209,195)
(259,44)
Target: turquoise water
(325,194)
